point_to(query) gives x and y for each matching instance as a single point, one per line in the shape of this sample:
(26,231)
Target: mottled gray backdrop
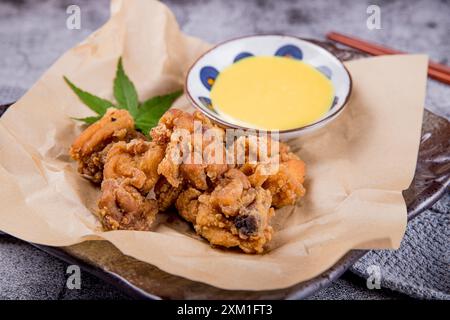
(33,35)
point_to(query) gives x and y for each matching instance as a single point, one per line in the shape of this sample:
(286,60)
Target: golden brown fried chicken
(187,164)
(286,186)
(229,207)
(190,155)
(90,148)
(111,149)
(233,215)
(232,193)
(136,161)
(123,207)
(172,119)
(170,164)
(130,172)
(281,173)
(166,194)
(187,204)
(195,174)
(249,229)
(173,131)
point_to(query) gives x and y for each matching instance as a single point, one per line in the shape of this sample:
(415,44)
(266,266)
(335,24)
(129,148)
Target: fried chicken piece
(227,195)
(178,119)
(249,229)
(185,165)
(173,131)
(282,173)
(257,173)
(137,161)
(199,172)
(195,174)
(130,172)
(184,160)
(215,153)
(123,207)
(233,215)
(232,193)
(255,149)
(90,148)
(187,204)
(254,157)
(171,120)
(166,194)
(225,203)
(286,186)
(170,164)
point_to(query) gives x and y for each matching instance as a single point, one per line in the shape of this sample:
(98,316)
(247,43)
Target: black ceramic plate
(142,280)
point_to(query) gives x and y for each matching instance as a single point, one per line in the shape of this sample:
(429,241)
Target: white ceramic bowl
(205,70)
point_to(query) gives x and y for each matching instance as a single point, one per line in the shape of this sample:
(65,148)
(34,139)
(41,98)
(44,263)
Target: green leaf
(124,91)
(88,120)
(161,103)
(151,110)
(96,104)
(145,125)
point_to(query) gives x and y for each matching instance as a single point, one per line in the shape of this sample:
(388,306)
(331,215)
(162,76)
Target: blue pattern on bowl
(243,55)
(208,75)
(207,103)
(325,71)
(335,101)
(290,51)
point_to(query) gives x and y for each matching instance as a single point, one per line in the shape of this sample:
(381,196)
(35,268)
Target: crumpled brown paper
(356,167)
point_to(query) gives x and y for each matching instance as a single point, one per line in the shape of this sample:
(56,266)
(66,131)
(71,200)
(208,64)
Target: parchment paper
(356,167)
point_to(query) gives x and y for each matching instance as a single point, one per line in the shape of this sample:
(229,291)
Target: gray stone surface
(421,266)
(33,35)
(28,273)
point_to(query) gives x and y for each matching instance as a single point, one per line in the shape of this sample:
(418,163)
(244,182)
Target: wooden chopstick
(435,70)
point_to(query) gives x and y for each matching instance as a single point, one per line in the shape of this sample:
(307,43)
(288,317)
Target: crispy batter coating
(233,215)
(286,186)
(188,151)
(229,204)
(166,194)
(90,148)
(187,204)
(232,193)
(112,150)
(170,166)
(283,174)
(136,161)
(130,172)
(123,207)
(249,229)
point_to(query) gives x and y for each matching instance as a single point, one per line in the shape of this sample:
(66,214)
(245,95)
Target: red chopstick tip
(435,70)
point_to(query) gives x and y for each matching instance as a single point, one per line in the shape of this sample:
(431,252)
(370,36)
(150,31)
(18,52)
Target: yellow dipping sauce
(272,93)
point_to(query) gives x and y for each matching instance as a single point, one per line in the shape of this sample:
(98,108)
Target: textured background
(33,35)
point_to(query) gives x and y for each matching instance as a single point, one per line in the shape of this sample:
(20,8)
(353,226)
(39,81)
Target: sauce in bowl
(272,93)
